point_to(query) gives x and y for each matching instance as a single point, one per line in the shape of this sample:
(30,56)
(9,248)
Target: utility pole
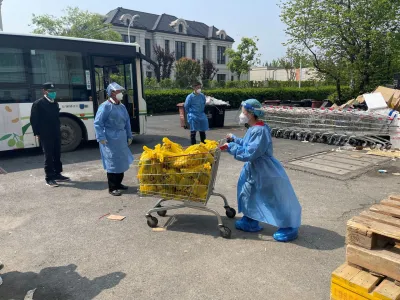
(134,18)
(1,21)
(300,75)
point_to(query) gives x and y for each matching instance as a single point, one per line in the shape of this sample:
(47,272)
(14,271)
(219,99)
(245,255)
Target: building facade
(185,38)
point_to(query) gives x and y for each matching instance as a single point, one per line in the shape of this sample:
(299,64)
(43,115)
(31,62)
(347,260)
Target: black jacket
(45,118)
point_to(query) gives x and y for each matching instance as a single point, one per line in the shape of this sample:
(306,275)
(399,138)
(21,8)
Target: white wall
(264,73)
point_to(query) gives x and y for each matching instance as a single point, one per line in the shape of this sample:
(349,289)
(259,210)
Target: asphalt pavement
(59,241)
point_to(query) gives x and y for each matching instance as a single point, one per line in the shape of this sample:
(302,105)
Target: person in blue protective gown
(194,107)
(113,132)
(264,191)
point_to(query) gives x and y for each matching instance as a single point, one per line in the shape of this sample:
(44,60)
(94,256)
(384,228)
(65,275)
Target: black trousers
(114,181)
(193,137)
(52,157)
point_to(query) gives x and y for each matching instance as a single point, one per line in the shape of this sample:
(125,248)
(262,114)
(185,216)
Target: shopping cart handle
(223,147)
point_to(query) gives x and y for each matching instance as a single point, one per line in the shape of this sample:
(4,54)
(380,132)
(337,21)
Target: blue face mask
(52,95)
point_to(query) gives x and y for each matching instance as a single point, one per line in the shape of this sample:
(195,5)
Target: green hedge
(166,100)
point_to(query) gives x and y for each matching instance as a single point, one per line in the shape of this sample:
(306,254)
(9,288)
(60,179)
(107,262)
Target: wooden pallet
(373,239)
(350,283)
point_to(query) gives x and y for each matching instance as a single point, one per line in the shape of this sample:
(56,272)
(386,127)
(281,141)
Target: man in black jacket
(45,121)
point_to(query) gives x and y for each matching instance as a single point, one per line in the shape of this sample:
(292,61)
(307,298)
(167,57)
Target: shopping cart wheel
(230,212)
(152,221)
(388,146)
(225,232)
(162,213)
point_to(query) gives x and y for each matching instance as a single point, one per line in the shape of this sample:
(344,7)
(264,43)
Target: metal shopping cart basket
(334,127)
(188,179)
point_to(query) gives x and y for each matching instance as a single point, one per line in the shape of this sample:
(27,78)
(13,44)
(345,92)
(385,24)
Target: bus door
(123,72)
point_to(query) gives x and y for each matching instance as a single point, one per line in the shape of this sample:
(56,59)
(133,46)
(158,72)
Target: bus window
(129,81)
(68,95)
(63,68)
(60,67)
(12,67)
(14,96)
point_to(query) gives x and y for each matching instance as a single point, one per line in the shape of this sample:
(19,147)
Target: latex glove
(129,142)
(224,147)
(103,142)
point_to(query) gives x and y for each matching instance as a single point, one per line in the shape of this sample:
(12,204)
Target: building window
(193,51)
(167,46)
(180,28)
(126,40)
(232,78)
(221,55)
(147,47)
(204,52)
(221,77)
(128,21)
(149,74)
(180,50)
(222,36)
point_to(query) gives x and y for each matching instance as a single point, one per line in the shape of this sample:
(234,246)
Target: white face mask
(243,119)
(198,91)
(119,97)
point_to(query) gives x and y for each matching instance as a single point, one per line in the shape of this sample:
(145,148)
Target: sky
(238,18)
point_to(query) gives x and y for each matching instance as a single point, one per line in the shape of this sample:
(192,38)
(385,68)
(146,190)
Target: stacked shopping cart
(331,126)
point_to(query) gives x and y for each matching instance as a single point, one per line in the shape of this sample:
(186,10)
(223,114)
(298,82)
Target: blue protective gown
(112,124)
(194,107)
(264,190)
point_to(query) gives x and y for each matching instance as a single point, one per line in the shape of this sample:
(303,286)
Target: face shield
(258,112)
(112,87)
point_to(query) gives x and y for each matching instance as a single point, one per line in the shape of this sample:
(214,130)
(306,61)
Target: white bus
(81,70)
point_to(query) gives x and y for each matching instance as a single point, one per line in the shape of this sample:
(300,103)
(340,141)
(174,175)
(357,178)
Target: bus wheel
(71,134)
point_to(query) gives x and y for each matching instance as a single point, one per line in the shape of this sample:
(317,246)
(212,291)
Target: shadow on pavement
(86,185)
(310,237)
(60,283)
(319,238)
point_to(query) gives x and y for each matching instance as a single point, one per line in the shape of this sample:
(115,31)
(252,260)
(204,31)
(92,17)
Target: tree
(187,71)
(351,42)
(165,61)
(208,70)
(75,23)
(241,60)
(292,61)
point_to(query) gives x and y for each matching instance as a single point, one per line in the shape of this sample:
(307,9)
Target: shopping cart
(188,179)
(334,127)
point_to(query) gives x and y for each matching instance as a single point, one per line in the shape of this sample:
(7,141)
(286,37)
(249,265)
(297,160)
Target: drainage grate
(339,165)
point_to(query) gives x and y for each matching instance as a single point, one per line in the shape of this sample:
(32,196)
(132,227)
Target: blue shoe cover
(248,225)
(286,234)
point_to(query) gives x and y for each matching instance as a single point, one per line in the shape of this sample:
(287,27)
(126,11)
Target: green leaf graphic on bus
(14,140)
(4,137)
(25,128)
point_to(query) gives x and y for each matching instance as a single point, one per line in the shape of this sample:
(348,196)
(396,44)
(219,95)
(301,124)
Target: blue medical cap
(113,86)
(253,106)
